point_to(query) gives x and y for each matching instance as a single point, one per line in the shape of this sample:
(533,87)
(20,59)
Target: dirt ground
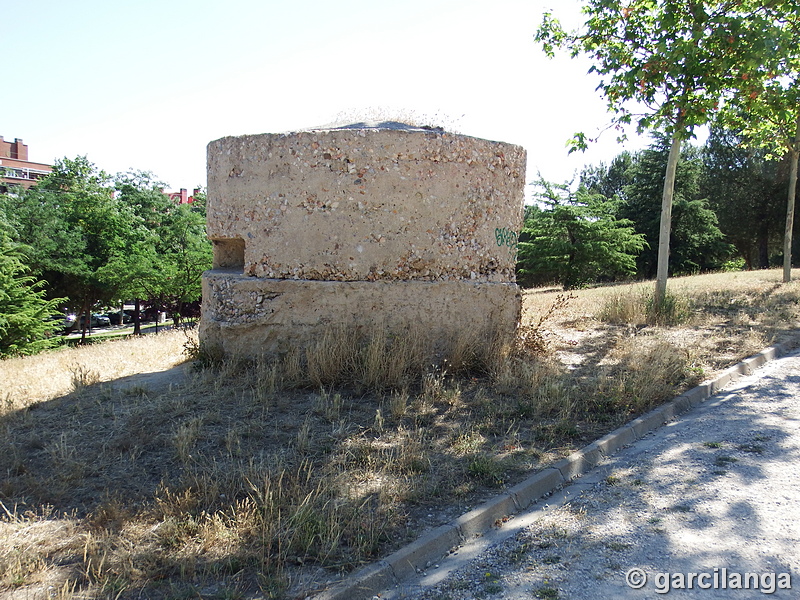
(131,474)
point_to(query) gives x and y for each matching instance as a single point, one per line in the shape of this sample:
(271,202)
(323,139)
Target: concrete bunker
(386,226)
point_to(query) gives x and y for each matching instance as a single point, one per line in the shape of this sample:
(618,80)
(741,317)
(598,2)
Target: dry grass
(25,381)
(268,479)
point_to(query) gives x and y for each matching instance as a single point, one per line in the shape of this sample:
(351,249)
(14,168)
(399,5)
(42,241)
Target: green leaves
(167,265)
(673,65)
(575,239)
(665,63)
(697,243)
(550,34)
(26,317)
(578,142)
(94,244)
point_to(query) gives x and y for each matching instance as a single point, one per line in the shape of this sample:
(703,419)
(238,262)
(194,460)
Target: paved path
(716,492)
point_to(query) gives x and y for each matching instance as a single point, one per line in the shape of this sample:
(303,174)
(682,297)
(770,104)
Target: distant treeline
(729,212)
(81,239)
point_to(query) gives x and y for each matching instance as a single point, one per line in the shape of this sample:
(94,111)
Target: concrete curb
(437,543)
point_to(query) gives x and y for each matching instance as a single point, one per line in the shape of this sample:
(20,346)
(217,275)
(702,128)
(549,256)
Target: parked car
(62,324)
(96,320)
(70,323)
(117,315)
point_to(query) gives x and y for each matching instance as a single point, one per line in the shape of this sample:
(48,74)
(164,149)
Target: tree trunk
(787,237)
(137,317)
(87,320)
(176,314)
(666,217)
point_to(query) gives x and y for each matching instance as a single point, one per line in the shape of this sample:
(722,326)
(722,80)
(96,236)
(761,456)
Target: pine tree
(27,319)
(576,239)
(697,243)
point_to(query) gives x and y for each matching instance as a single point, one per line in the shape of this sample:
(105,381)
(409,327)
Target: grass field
(128,472)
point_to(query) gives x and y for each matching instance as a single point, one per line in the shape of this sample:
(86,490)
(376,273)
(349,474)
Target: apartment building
(16,169)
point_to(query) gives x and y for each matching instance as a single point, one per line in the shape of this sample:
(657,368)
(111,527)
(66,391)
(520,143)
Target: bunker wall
(399,230)
(366,205)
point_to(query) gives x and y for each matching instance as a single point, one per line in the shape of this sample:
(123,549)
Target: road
(705,505)
(120,331)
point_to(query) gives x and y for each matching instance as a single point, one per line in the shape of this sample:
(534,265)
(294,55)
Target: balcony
(21,174)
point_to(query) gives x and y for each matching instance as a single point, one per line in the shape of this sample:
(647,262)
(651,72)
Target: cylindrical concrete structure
(389,225)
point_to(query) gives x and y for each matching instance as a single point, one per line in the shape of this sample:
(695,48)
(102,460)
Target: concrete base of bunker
(251,317)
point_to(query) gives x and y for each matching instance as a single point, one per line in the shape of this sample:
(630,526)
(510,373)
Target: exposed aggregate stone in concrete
(374,228)
(253,315)
(368,205)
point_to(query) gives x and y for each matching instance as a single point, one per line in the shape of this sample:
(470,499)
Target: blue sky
(147,84)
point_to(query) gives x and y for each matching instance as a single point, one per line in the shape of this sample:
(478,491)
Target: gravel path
(715,493)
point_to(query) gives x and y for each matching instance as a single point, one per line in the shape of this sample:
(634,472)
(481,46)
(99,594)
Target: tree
(669,64)
(575,239)
(768,115)
(744,190)
(27,318)
(612,179)
(95,243)
(184,253)
(141,193)
(697,244)
(80,235)
(174,253)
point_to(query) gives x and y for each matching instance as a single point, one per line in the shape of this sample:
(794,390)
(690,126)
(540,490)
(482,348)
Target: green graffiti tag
(507,237)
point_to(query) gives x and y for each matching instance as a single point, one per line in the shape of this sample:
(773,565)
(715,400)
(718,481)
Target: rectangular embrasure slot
(229,254)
